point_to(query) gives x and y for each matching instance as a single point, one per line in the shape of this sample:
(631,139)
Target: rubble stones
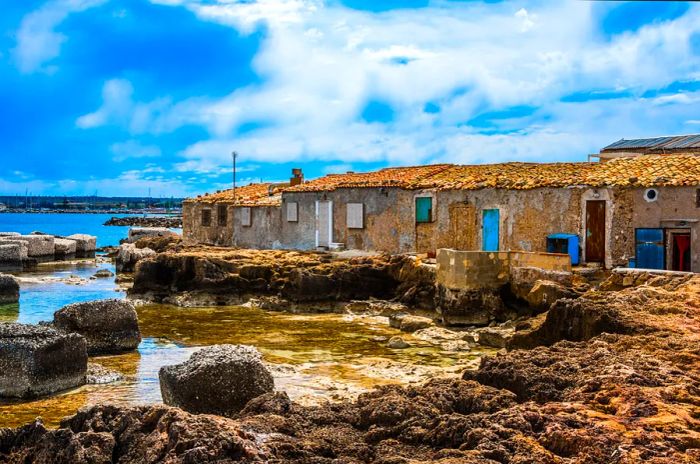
(38,360)
(218,379)
(109,326)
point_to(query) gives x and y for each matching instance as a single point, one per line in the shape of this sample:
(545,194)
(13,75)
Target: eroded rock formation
(629,396)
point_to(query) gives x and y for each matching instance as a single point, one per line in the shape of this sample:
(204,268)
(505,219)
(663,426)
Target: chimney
(297,177)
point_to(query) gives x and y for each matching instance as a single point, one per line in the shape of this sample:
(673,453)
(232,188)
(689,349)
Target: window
(221,215)
(697,198)
(424,209)
(206,217)
(355,215)
(292,212)
(246,219)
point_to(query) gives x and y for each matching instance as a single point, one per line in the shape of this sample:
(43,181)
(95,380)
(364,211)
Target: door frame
(330,222)
(597,195)
(483,228)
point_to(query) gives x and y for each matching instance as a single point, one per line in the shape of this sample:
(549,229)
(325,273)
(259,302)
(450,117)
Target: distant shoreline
(129,212)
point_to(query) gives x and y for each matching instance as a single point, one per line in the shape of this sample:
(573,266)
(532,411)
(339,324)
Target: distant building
(642,211)
(669,145)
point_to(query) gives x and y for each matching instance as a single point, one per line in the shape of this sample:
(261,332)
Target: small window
(221,215)
(697,198)
(424,209)
(206,217)
(246,217)
(292,212)
(355,215)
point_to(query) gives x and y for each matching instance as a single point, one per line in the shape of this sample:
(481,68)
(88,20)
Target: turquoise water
(42,293)
(66,224)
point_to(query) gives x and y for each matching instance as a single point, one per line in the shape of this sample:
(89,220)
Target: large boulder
(218,379)
(9,289)
(545,292)
(477,307)
(39,360)
(128,255)
(12,255)
(136,233)
(109,326)
(38,246)
(64,248)
(84,244)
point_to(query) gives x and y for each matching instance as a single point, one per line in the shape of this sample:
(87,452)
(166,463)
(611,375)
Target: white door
(324,223)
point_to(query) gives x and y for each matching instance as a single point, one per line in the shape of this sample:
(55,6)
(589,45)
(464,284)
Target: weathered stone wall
(526,217)
(262,233)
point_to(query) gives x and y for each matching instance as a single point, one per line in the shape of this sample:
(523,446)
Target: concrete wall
(470,270)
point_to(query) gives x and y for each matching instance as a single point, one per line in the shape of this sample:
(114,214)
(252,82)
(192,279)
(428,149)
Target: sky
(116,97)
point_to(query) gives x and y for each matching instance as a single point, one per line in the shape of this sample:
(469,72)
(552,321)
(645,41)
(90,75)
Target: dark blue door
(650,248)
(490,232)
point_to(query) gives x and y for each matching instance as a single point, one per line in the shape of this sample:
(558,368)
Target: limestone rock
(85,245)
(104,274)
(412,323)
(470,307)
(545,292)
(128,255)
(109,326)
(218,379)
(397,343)
(38,246)
(64,248)
(9,289)
(494,337)
(38,360)
(136,233)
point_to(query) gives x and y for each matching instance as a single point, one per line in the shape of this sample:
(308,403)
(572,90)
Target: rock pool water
(314,357)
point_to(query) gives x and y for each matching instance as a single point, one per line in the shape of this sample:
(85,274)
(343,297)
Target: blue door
(649,248)
(490,232)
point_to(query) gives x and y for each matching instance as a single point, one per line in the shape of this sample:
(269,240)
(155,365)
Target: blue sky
(119,96)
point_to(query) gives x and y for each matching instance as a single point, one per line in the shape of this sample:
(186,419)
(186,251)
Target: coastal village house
(642,211)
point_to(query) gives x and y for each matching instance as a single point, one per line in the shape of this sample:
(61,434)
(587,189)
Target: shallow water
(313,357)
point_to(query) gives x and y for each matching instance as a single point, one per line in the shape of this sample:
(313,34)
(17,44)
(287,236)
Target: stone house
(642,211)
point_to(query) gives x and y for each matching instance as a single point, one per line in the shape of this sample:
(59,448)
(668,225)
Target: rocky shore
(140,221)
(276,280)
(610,377)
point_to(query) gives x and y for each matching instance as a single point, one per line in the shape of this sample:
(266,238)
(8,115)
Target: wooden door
(491,230)
(463,227)
(595,231)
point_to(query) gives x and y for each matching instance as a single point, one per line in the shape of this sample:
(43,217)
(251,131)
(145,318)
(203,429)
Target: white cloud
(320,64)
(37,41)
(134,149)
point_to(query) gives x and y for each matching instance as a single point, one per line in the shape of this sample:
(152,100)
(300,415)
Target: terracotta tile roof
(640,171)
(404,177)
(265,194)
